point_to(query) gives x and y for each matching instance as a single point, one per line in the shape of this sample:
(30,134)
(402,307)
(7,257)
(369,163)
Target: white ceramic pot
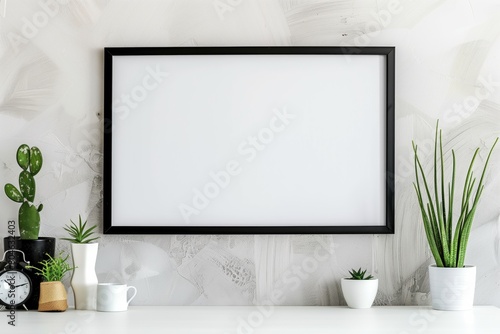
(359,293)
(452,289)
(84,279)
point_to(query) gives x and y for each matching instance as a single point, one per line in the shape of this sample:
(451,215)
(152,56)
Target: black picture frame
(388,53)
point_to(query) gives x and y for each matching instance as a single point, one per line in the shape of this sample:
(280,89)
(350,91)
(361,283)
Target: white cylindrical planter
(84,280)
(452,289)
(359,293)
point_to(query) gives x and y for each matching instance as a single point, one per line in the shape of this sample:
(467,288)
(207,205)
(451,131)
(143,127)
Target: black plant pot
(35,251)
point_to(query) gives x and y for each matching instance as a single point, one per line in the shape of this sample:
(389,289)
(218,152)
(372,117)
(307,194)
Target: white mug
(112,297)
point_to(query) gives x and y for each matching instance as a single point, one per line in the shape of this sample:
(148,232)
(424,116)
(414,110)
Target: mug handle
(135,292)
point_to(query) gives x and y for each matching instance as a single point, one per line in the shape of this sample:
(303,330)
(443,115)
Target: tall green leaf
(447,241)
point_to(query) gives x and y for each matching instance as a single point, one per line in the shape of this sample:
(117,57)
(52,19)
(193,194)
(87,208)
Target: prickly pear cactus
(30,160)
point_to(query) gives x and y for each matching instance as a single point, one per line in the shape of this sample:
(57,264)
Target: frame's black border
(389,52)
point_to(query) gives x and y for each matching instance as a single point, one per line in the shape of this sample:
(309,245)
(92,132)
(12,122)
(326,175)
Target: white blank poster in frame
(249,140)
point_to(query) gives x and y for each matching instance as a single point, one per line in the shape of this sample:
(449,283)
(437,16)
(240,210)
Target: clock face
(15,287)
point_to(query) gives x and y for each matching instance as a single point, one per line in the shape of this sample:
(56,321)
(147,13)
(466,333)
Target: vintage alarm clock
(15,282)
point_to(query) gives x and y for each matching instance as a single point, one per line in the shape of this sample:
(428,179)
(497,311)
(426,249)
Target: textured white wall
(51,96)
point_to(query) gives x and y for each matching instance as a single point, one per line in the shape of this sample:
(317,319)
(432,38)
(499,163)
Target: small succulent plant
(79,233)
(53,269)
(359,275)
(30,160)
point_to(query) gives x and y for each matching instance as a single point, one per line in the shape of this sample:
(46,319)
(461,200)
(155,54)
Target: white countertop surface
(258,320)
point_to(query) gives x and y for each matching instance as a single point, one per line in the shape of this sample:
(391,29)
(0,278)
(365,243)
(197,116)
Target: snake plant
(447,239)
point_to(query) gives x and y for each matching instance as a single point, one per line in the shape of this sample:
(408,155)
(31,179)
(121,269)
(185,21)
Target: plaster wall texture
(51,96)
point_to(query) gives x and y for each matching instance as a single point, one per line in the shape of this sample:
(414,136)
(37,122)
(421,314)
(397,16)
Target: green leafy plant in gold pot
(53,296)
(452,282)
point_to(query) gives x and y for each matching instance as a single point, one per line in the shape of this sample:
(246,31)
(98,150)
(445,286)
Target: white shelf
(259,320)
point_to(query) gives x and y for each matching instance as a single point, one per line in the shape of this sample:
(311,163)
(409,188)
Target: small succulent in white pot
(359,290)
(84,253)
